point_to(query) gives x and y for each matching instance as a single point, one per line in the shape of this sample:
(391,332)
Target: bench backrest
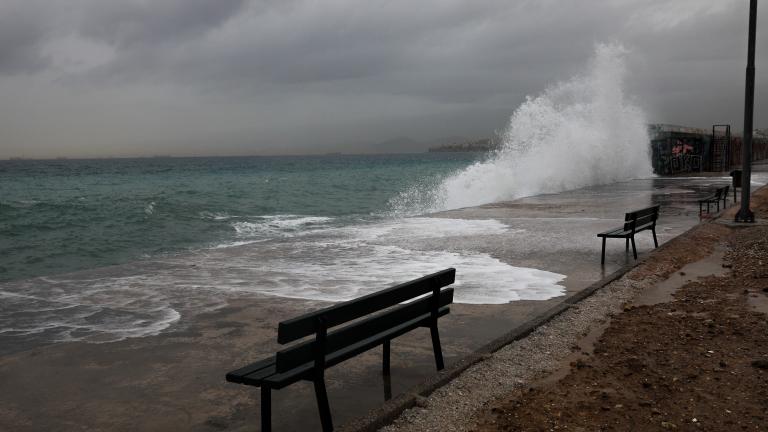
(640,219)
(317,323)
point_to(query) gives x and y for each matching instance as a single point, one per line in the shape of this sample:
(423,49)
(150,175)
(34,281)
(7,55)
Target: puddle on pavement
(758,301)
(663,291)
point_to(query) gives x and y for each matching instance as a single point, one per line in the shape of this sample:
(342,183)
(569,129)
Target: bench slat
(305,371)
(642,212)
(294,356)
(614,232)
(299,327)
(641,218)
(236,376)
(645,220)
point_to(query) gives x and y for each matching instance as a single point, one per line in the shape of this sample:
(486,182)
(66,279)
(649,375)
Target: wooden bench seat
(634,222)
(375,319)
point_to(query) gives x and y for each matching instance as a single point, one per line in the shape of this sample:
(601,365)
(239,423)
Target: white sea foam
(338,264)
(328,264)
(214,215)
(150,208)
(278,225)
(103,310)
(354,271)
(580,132)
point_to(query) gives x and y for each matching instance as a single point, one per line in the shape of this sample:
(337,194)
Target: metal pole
(745,214)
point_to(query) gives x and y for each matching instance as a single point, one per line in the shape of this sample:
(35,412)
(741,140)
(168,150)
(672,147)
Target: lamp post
(745,214)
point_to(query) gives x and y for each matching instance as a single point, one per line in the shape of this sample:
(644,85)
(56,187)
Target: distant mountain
(444,141)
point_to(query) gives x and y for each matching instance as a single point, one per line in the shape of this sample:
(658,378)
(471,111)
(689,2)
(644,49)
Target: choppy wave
(265,227)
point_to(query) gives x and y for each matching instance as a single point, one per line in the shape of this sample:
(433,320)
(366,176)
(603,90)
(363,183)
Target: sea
(59,216)
(103,250)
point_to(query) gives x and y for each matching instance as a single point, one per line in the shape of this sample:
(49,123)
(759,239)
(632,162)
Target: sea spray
(580,132)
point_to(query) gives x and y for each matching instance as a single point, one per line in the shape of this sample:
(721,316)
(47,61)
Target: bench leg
(627,245)
(436,346)
(322,404)
(655,242)
(266,409)
(387,387)
(602,255)
(634,249)
(385,359)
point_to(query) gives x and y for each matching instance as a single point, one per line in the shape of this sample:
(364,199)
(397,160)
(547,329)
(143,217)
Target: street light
(745,214)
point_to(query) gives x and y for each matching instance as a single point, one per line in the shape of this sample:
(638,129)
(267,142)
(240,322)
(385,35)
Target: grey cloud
(264,72)
(22,34)
(127,24)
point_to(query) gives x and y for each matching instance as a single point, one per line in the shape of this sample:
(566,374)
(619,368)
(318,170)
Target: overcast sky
(93,78)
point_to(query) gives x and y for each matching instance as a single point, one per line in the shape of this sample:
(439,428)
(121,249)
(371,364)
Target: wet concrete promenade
(175,381)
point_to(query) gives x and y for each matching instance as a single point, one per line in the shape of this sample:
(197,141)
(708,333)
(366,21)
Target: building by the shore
(676,149)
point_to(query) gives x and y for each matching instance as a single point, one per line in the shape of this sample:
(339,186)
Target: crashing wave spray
(577,133)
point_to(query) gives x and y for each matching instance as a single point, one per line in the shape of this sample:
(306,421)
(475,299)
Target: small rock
(668,425)
(760,364)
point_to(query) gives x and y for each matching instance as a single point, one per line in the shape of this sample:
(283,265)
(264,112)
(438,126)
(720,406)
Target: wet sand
(175,380)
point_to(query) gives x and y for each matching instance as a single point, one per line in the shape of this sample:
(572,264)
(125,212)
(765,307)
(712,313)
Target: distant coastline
(481,145)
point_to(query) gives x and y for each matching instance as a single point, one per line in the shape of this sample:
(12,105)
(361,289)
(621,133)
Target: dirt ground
(697,361)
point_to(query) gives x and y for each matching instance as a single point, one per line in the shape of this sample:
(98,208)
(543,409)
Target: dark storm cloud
(143,25)
(22,33)
(253,75)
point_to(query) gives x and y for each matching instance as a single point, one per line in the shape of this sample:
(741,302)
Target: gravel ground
(548,351)
(695,360)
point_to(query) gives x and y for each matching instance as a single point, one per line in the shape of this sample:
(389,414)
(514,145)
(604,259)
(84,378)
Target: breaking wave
(577,133)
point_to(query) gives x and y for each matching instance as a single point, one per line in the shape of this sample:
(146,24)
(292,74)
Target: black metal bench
(308,360)
(721,194)
(634,222)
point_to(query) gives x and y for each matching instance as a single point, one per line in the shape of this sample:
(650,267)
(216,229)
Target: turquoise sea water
(58,216)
